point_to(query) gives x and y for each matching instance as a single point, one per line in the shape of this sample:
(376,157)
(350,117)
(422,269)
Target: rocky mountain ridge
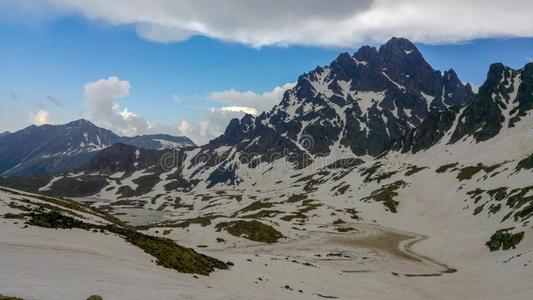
(57,148)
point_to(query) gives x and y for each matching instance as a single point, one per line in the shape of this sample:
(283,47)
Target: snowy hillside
(376,177)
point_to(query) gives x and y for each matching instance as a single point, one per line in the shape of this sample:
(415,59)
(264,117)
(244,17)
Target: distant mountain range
(57,148)
(376,140)
(375,137)
(367,105)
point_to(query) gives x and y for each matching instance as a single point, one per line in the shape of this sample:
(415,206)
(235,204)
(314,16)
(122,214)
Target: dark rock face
(524,98)
(431,131)
(504,98)
(365,102)
(372,102)
(484,117)
(253,141)
(369,103)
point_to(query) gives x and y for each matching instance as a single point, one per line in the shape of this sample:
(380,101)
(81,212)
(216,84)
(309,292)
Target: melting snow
(367,99)
(321,85)
(401,87)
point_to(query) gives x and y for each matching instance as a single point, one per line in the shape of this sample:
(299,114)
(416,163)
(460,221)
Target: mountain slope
(431,198)
(360,104)
(503,100)
(158,141)
(52,148)
(59,148)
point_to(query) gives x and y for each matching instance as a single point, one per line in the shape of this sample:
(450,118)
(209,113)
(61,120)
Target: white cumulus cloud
(248,101)
(301,22)
(241,109)
(42,116)
(210,124)
(102,100)
(213,121)
(103,103)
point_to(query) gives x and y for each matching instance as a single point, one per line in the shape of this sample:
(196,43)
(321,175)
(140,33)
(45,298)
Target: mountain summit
(360,104)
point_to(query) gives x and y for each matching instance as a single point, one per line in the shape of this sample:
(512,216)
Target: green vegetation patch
(257,205)
(2,297)
(468,172)
(498,194)
(14,216)
(296,198)
(252,230)
(521,203)
(345,163)
(343,189)
(372,174)
(354,214)
(203,221)
(81,186)
(526,163)
(64,205)
(54,219)
(445,168)
(125,192)
(504,240)
(167,253)
(311,182)
(519,200)
(305,207)
(413,170)
(146,183)
(173,256)
(386,195)
(264,213)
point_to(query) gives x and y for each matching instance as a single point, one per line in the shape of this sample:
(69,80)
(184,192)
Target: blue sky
(45,65)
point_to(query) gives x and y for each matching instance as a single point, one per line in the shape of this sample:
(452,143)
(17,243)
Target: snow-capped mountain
(364,164)
(503,100)
(361,104)
(57,148)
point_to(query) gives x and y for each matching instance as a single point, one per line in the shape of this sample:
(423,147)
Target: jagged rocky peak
(503,100)
(367,100)
(499,81)
(363,102)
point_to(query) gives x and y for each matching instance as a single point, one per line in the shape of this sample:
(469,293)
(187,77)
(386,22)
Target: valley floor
(406,226)
(369,262)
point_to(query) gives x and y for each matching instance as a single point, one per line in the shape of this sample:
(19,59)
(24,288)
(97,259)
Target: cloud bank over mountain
(301,22)
(103,106)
